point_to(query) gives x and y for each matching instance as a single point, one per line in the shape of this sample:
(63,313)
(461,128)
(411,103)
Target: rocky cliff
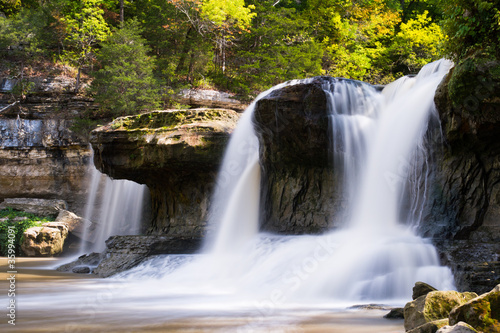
(40,157)
(464,210)
(299,186)
(176,154)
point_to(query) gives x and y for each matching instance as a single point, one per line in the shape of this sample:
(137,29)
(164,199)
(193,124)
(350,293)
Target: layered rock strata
(176,154)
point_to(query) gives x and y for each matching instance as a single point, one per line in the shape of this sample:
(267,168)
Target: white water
(115,206)
(235,204)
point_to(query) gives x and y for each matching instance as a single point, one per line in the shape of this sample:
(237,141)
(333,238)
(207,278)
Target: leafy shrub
(10,217)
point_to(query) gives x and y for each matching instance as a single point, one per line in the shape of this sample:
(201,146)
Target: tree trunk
(122,11)
(185,51)
(77,85)
(191,68)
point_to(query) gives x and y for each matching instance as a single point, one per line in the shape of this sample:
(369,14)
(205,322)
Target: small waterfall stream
(115,206)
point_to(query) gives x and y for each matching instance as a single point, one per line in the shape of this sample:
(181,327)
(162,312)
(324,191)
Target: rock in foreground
(482,313)
(45,241)
(433,306)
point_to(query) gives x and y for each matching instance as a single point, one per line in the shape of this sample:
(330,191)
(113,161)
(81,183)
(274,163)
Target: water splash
(235,207)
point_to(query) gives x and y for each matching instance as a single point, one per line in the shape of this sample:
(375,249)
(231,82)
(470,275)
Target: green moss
(473,82)
(167,119)
(11,218)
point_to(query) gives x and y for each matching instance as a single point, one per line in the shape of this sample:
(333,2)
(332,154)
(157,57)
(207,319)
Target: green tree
(418,42)
(472,26)
(85,28)
(277,48)
(125,84)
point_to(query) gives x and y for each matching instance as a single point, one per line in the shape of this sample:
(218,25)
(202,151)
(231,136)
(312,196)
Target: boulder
(482,313)
(45,241)
(125,252)
(421,289)
(396,313)
(433,306)
(81,269)
(208,98)
(176,153)
(77,226)
(460,327)
(430,327)
(39,207)
(90,260)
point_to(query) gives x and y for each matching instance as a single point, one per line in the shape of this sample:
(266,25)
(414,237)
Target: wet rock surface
(463,211)
(125,252)
(300,187)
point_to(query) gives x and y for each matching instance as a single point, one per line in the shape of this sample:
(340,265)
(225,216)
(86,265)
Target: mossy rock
(482,313)
(433,306)
(461,327)
(475,83)
(430,327)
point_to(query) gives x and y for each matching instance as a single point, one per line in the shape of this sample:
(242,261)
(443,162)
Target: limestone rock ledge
(176,153)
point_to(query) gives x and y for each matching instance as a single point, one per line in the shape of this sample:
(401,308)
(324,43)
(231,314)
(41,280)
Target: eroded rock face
(48,173)
(39,207)
(176,154)
(45,241)
(464,206)
(300,188)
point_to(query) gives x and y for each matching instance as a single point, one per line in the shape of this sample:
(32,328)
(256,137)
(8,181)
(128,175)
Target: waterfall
(115,206)
(375,257)
(235,204)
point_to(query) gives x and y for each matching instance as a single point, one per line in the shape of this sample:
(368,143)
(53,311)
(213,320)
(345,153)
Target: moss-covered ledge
(176,153)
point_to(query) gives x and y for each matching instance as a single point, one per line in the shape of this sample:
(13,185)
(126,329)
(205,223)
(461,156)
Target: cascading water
(246,274)
(373,258)
(235,203)
(115,206)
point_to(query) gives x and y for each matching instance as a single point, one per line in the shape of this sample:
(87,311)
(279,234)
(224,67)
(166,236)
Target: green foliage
(20,221)
(473,27)
(242,46)
(417,43)
(125,83)
(228,12)
(279,48)
(24,35)
(85,28)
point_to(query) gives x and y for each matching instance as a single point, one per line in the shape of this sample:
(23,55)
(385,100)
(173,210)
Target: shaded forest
(140,52)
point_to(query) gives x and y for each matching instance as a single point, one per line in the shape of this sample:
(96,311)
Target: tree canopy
(246,46)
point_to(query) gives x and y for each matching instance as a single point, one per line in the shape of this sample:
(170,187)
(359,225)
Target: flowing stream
(243,273)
